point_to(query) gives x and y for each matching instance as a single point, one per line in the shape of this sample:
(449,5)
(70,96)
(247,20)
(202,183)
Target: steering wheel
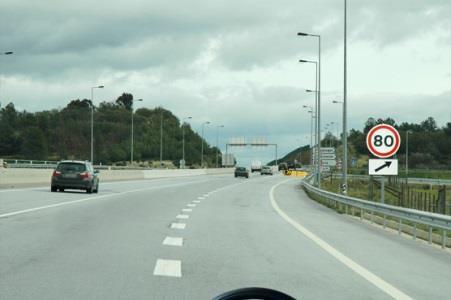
(253,293)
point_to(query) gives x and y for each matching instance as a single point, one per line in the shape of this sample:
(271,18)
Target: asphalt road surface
(196,237)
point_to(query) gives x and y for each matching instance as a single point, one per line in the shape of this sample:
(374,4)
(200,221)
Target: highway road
(196,237)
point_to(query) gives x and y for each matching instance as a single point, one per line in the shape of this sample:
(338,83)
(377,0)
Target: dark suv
(241,171)
(78,175)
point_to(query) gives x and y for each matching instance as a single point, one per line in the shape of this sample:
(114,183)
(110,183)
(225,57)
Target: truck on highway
(256,166)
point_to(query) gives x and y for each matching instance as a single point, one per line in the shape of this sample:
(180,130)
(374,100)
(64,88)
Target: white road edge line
(178,225)
(168,267)
(191,205)
(182,216)
(173,241)
(348,262)
(19,212)
(187,209)
(196,201)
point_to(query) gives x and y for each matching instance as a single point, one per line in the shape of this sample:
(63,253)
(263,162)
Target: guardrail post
(361,214)
(352,211)
(399,226)
(346,208)
(385,221)
(444,236)
(414,231)
(372,217)
(430,235)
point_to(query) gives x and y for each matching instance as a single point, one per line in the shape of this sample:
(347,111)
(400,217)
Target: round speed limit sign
(383,140)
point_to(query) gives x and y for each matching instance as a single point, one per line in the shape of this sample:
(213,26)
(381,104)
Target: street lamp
(318,106)
(217,143)
(202,148)
(92,120)
(183,143)
(317,142)
(344,178)
(131,149)
(310,111)
(6,53)
(407,155)
(344,142)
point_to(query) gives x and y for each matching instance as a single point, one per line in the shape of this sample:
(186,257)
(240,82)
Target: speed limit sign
(383,140)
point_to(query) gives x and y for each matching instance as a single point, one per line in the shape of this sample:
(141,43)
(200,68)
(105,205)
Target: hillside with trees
(66,134)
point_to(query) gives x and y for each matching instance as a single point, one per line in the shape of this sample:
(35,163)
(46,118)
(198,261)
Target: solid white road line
(94,198)
(191,205)
(178,225)
(182,216)
(187,209)
(366,274)
(200,198)
(168,267)
(173,241)
(196,201)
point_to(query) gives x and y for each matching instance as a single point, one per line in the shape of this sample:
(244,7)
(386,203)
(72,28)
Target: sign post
(383,141)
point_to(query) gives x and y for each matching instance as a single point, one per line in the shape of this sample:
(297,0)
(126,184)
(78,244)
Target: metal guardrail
(432,220)
(434,181)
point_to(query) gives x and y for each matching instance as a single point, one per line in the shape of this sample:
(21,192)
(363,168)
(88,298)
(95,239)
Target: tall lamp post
(310,111)
(202,147)
(5,53)
(183,143)
(92,120)
(344,178)
(217,143)
(132,138)
(317,124)
(344,163)
(317,139)
(318,108)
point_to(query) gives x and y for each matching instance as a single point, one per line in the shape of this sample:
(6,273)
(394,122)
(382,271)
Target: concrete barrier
(13,178)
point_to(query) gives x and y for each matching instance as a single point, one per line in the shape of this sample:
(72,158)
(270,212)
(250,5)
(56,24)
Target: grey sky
(232,62)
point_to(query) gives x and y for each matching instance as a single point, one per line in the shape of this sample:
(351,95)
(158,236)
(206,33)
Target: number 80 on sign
(383,140)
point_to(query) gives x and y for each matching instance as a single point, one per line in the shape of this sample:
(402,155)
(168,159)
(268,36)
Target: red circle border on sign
(381,154)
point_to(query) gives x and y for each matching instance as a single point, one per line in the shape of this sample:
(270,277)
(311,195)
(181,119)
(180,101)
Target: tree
(429,125)
(34,145)
(125,100)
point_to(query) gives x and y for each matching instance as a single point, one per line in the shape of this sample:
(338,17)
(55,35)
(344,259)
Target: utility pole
(161,139)
(344,177)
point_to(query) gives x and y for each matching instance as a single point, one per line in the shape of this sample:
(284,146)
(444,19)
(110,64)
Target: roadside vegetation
(65,134)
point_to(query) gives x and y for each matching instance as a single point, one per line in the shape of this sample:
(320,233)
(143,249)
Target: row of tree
(66,134)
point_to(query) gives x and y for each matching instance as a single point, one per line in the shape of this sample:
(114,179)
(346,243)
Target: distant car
(78,175)
(241,171)
(283,166)
(291,166)
(266,170)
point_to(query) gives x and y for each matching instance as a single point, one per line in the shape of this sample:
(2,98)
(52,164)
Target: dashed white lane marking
(178,225)
(366,274)
(187,209)
(182,216)
(191,205)
(206,195)
(200,198)
(168,267)
(14,213)
(173,241)
(196,201)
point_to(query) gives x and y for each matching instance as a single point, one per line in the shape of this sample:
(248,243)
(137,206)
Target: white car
(266,170)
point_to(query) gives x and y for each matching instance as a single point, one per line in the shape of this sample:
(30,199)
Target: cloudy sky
(232,62)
